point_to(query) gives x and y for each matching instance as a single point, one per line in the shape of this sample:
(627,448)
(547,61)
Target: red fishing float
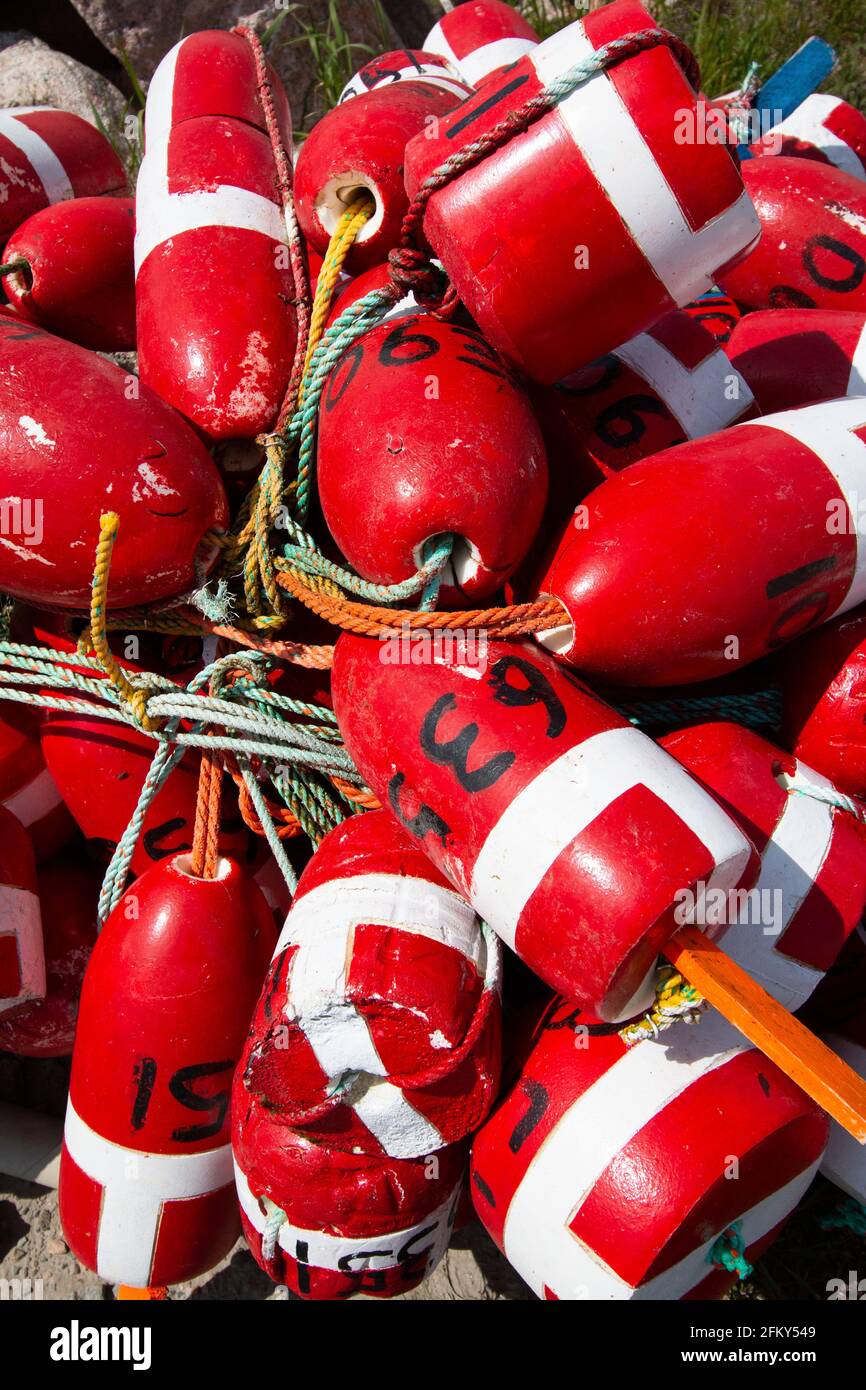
(129,453)
(423,431)
(207,205)
(598,191)
(404,65)
(68,896)
(27,788)
(823,682)
(329,1224)
(22,952)
(529,793)
(665,386)
(673,599)
(378,1026)
(146,1194)
(77,277)
(49,156)
(790,926)
(845,1160)
(600,1178)
(812,251)
(792,356)
(824,128)
(117,758)
(478,38)
(716,312)
(358,147)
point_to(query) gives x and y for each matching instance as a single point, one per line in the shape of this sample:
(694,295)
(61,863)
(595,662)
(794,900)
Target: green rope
(728,1252)
(761,709)
(849,1215)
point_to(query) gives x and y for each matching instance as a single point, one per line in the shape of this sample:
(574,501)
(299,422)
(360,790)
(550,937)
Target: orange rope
(205,841)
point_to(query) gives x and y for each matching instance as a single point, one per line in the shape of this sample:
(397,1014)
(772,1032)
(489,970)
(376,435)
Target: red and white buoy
(22,952)
(49,156)
(479,38)
(823,680)
(824,128)
(790,357)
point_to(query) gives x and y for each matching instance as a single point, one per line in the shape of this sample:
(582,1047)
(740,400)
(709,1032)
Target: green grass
(333,54)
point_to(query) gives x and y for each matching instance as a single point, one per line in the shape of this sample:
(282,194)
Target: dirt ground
(797,1268)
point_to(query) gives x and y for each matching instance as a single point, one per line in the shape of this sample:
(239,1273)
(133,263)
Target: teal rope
(762,709)
(850,1215)
(728,1252)
(427,574)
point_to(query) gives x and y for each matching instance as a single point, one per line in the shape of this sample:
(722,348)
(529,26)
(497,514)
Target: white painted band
(684,260)
(567,797)
(828,430)
(20,917)
(698,398)
(790,865)
(490,56)
(135,1187)
(355,1254)
(844,1162)
(35,800)
(47,167)
(161,218)
(427,73)
(807,123)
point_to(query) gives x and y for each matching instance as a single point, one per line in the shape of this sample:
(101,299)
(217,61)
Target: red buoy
(599,191)
(714,553)
(27,788)
(146,1194)
(824,128)
(786,930)
(127,451)
(404,65)
(358,147)
(716,312)
(845,1160)
(209,215)
(78,279)
(68,897)
(481,37)
(812,251)
(792,356)
(600,1178)
(378,978)
(823,679)
(49,156)
(529,793)
(340,1223)
(22,952)
(423,431)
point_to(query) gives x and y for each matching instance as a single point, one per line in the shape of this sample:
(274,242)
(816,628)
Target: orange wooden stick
(784,1039)
(126,1292)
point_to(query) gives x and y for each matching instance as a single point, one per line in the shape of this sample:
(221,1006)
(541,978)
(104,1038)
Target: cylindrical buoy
(329,1224)
(812,249)
(49,156)
(791,357)
(146,1195)
(529,793)
(597,191)
(22,951)
(599,1177)
(129,452)
(377,1030)
(404,65)
(423,432)
(27,788)
(824,128)
(823,680)
(761,522)
(209,214)
(76,276)
(790,926)
(479,38)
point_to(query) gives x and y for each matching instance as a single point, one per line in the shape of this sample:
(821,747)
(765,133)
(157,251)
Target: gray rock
(146,32)
(32,74)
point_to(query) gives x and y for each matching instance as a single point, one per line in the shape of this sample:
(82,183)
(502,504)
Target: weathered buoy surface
(208,211)
(49,156)
(760,522)
(787,930)
(79,437)
(146,1194)
(599,1177)
(27,788)
(529,793)
(404,65)
(381,976)
(22,953)
(812,251)
(78,278)
(422,432)
(479,38)
(598,191)
(790,357)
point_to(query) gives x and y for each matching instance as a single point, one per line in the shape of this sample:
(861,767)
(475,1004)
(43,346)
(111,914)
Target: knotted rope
(676,1000)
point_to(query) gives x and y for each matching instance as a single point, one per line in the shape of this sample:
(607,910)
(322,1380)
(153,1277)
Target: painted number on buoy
(180,1085)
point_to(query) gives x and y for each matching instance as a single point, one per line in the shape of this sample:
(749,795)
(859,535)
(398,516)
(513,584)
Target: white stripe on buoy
(807,123)
(353,1255)
(844,1162)
(20,917)
(135,1186)
(494,55)
(567,797)
(35,800)
(46,166)
(697,397)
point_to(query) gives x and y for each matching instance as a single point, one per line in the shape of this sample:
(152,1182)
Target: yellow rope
(347,229)
(109,525)
(675,1000)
